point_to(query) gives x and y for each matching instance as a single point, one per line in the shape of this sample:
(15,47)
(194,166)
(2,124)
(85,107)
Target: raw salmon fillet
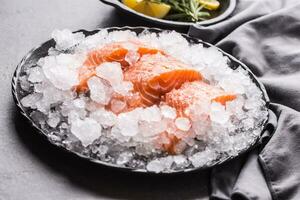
(113,52)
(155,75)
(188,94)
(191,93)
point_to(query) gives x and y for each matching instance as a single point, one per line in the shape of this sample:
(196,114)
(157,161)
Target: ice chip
(25,85)
(116,134)
(98,90)
(103,149)
(202,158)
(180,160)
(132,57)
(155,166)
(168,112)
(218,113)
(119,36)
(61,70)
(149,129)
(123,88)
(234,82)
(112,72)
(103,117)
(161,164)
(128,123)
(151,114)
(183,123)
(93,41)
(53,119)
(79,103)
(124,158)
(65,39)
(86,130)
(35,75)
(30,100)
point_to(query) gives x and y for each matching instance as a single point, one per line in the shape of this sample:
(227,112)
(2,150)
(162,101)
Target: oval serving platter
(41,51)
(227,8)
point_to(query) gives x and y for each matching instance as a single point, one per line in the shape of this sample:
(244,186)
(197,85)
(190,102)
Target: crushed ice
(134,138)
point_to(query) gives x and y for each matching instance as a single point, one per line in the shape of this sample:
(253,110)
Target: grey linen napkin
(265,35)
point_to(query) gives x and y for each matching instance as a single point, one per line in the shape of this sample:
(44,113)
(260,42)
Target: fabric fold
(265,35)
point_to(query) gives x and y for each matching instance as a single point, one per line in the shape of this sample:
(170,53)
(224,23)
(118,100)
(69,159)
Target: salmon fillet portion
(191,93)
(113,52)
(116,52)
(188,94)
(155,75)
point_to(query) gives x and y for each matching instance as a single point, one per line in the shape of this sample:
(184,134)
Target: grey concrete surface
(30,167)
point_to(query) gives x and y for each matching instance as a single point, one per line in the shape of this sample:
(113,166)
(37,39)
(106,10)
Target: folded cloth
(265,35)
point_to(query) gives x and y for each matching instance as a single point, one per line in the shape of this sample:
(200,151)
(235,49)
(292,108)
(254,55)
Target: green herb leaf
(185,10)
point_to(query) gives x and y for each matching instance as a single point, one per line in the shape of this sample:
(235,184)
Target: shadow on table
(118,18)
(105,182)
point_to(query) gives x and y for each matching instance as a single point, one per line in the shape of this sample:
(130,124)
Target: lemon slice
(157,10)
(210,4)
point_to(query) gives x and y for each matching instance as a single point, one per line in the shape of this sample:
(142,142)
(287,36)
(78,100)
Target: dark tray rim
(14,85)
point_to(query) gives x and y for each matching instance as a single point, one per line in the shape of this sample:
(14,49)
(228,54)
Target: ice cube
(30,100)
(218,113)
(103,149)
(25,85)
(236,107)
(119,36)
(149,129)
(180,160)
(248,123)
(183,123)
(97,90)
(155,166)
(234,82)
(128,123)
(103,117)
(61,70)
(151,114)
(79,103)
(123,87)
(202,158)
(75,106)
(117,134)
(132,57)
(168,161)
(93,41)
(35,75)
(161,164)
(201,126)
(53,119)
(124,158)
(110,71)
(65,39)
(38,117)
(86,130)
(168,112)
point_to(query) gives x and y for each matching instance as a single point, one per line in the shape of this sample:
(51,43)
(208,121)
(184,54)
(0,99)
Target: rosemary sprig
(186,10)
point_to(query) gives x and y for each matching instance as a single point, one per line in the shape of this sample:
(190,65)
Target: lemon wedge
(131,3)
(210,4)
(157,10)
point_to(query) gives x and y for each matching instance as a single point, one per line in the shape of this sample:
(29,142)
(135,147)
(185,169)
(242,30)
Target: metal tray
(42,51)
